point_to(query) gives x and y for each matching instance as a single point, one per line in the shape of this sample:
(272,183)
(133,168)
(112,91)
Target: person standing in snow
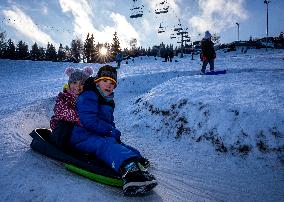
(96,134)
(118,59)
(65,115)
(171,54)
(208,53)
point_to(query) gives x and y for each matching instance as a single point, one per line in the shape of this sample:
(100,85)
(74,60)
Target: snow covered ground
(209,138)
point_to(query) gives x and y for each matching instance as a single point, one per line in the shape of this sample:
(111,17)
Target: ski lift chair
(137,15)
(162,7)
(161,29)
(137,11)
(173,36)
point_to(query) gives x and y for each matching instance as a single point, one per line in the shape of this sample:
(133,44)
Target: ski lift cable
(179,20)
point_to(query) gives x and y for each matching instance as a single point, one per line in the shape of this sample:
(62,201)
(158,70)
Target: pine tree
(22,51)
(148,52)
(107,46)
(108,57)
(86,50)
(97,52)
(41,54)
(76,50)
(47,53)
(68,54)
(61,56)
(115,46)
(3,45)
(34,53)
(11,50)
(50,54)
(89,49)
(93,49)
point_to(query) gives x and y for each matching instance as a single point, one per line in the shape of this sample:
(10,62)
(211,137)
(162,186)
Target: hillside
(209,138)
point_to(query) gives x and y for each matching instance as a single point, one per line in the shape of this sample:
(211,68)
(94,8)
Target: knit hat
(78,74)
(107,72)
(207,35)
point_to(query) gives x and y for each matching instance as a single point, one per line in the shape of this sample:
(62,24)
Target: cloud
(217,15)
(44,9)
(25,25)
(82,12)
(124,29)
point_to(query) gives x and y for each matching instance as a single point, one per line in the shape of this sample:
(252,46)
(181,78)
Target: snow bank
(237,113)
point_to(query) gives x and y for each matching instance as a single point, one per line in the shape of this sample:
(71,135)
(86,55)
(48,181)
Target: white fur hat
(207,35)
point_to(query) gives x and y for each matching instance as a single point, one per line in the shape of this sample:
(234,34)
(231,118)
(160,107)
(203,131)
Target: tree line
(79,51)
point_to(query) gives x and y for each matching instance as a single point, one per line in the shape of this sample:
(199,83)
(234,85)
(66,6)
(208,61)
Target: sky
(60,21)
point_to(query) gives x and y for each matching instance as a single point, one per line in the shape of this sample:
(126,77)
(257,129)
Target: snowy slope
(209,138)
(217,109)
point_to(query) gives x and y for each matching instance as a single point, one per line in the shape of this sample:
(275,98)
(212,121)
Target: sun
(103,51)
(104,54)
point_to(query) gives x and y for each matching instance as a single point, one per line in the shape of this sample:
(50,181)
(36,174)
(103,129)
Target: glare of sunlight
(103,54)
(103,51)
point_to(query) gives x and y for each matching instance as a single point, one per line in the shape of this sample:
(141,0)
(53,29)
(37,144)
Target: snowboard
(216,72)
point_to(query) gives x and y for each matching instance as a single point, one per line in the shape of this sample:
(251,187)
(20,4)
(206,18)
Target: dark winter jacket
(207,50)
(96,114)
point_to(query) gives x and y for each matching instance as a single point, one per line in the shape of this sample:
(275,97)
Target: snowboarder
(96,134)
(207,54)
(65,115)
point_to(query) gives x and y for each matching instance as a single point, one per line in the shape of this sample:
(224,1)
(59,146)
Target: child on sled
(97,135)
(65,115)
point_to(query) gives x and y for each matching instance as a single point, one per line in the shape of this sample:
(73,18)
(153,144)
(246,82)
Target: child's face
(106,85)
(76,87)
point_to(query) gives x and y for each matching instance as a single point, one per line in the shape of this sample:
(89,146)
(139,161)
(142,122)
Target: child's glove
(116,134)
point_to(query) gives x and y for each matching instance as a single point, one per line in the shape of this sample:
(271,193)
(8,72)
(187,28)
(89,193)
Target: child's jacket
(93,135)
(64,109)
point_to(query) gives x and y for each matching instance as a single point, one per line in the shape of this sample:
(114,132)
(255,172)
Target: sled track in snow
(190,184)
(16,126)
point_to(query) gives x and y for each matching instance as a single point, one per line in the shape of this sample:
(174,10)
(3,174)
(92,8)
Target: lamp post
(266,2)
(238,24)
